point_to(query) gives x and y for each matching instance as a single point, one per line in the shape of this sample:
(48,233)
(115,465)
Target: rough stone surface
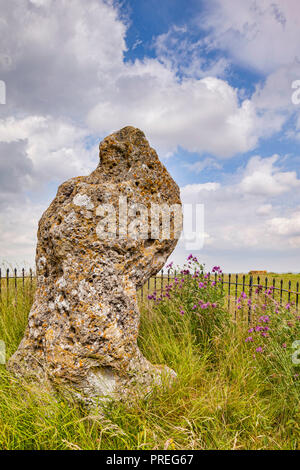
(83,326)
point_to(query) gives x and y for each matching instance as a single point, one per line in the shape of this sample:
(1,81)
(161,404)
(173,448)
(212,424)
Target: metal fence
(284,291)
(15,282)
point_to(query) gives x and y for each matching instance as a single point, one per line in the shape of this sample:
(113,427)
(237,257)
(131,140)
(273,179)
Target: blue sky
(210,84)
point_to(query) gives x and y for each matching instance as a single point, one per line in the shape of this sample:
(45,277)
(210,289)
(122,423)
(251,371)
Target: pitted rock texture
(83,326)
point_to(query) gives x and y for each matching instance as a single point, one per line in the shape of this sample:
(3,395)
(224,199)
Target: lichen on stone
(83,326)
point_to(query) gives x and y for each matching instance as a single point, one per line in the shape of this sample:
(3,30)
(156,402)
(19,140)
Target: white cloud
(178,50)
(201,165)
(264,209)
(54,148)
(264,35)
(198,115)
(262,177)
(60,56)
(194,189)
(57,96)
(18,228)
(286,225)
(243,221)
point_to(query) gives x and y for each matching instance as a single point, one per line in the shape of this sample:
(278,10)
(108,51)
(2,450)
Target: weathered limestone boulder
(83,326)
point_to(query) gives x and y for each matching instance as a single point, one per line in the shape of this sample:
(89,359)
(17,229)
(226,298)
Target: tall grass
(227,395)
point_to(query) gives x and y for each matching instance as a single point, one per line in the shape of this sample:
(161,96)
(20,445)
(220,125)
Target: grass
(224,398)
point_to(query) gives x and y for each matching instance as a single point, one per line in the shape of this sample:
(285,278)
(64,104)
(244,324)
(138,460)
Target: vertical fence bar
(274,287)
(168,276)
(7,285)
(229,285)
(297,297)
(222,281)
(23,284)
(243,287)
(281,290)
(250,298)
(236,293)
(266,289)
(289,294)
(162,282)
(16,287)
(236,286)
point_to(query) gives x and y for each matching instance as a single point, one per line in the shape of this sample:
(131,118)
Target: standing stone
(83,326)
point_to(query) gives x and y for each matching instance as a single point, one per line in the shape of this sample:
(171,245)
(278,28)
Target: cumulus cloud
(18,228)
(263,35)
(236,222)
(199,115)
(205,163)
(51,148)
(87,80)
(178,49)
(68,86)
(286,225)
(264,209)
(16,171)
(61,55)
(262,177)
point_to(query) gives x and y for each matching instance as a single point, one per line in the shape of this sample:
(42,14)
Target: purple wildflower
(248,339)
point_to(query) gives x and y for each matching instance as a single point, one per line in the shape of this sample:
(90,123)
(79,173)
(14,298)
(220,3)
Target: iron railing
(285,291)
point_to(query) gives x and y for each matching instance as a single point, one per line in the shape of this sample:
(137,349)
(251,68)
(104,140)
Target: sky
(209,82)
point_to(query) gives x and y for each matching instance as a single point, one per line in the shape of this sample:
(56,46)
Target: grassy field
(227,395)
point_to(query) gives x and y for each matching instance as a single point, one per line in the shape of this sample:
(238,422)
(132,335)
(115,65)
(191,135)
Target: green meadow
(231,392)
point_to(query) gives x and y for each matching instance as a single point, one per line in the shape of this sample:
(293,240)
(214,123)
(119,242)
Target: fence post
(23,285)
(229,285)
(244,282)
(266,289)
(236,292)
(7,286)
(250,297)
(16,287)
